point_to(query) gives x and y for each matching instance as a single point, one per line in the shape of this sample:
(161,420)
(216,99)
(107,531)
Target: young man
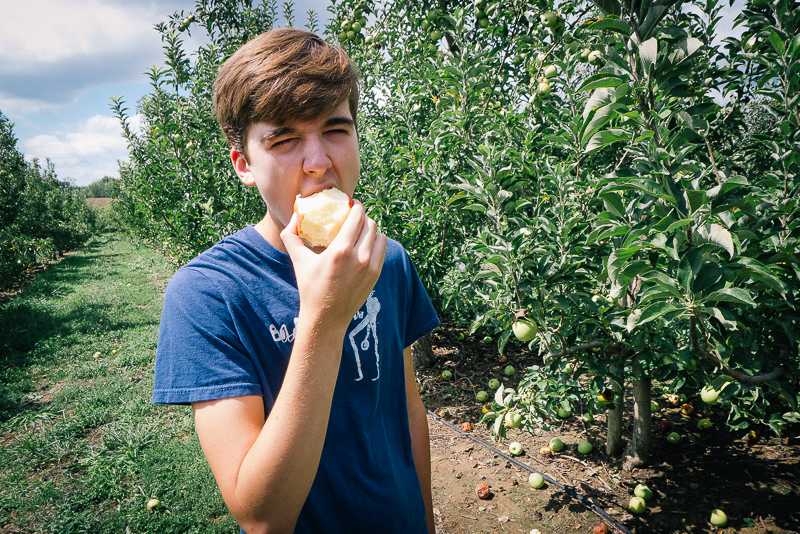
(297,361)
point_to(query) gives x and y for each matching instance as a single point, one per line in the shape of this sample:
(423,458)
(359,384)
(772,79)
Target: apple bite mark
(320,216)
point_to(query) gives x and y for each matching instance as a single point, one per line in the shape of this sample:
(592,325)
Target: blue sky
(61,60)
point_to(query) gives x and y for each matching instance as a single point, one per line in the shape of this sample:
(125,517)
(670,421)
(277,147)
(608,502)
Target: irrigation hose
(566,489)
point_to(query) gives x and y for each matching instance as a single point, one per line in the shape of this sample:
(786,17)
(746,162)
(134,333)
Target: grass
(82,448)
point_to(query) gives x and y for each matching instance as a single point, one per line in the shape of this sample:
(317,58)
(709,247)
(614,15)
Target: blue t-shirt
(227,330)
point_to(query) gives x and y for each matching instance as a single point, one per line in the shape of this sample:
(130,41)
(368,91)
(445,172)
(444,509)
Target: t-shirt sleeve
(421,316)
(199,356)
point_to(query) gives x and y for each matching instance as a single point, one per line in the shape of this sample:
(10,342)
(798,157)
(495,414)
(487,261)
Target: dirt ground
(755,482)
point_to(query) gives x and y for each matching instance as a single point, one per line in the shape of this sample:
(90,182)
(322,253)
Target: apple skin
(556,444)
(482,396)
(515,448)
(704,424)
(524,330)
(665,426)
(584,447)
(637,505)
(674,438)
(643,492)
(513,419)
(447,375)
(709,395)
(536,480)
(549,19)
(509,370)
(563,414)
(494,383)
(587,418)
(718,518)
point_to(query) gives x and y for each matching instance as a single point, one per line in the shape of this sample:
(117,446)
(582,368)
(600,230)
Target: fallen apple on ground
(447,375)
(509,370)
(642,491)
(704,424)
(482,396)
(718,518)
(536,480)
(556,444)
(674,438)
(665,426)
(153,503)
(584,447)
(494,383)
(563,413)
(637,505)
(515,448)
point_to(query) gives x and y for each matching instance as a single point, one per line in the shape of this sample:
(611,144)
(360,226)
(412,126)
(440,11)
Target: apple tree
(591,168)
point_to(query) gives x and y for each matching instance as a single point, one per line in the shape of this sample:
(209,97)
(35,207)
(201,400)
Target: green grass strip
(82,449)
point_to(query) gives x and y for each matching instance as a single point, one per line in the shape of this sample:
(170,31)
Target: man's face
(300,158)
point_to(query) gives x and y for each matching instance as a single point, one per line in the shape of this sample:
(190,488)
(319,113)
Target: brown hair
(282,76)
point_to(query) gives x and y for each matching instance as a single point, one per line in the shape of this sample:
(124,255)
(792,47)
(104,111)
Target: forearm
(421,448)
(269,489)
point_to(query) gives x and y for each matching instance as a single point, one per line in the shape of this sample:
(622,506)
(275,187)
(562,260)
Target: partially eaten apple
(320,216)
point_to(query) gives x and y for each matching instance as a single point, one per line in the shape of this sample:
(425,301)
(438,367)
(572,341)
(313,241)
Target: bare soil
(755,482)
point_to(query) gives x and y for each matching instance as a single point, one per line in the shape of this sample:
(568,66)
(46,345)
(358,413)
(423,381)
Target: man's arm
(265,466)
(420,438)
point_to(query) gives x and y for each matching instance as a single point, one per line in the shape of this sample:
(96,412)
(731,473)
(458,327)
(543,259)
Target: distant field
(100,202)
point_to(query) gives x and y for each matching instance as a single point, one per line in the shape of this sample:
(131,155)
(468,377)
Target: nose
(315,157)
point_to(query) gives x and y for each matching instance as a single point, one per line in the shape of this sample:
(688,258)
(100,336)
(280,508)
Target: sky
(62,60)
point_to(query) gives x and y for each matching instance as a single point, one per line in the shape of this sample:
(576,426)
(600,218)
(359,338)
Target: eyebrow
(284,130)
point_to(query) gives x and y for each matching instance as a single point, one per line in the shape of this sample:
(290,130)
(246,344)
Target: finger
(290,239)
(379,255)
(366,241)
(352,227)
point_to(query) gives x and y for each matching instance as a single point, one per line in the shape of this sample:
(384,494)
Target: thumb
(293,243)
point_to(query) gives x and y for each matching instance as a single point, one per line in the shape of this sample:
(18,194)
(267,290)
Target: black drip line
(569,491)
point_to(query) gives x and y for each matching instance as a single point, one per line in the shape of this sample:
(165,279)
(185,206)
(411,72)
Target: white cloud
(86,153)
(54,50)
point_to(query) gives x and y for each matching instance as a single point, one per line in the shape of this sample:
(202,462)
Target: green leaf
(777,43)
(605,138)
(656,310)
(716,235)
(612,7)
(617,259)
(690,265)
(601,79)
(613,203)
(648,52)
(731,294)
(612,24)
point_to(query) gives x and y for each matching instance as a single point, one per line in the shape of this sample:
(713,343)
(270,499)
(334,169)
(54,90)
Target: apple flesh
(320,216)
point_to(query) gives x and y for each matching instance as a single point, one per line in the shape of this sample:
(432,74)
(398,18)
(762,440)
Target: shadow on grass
(37,327)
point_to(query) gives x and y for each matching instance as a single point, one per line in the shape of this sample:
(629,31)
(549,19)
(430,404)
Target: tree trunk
(614,413)
(422,352)
(638,451)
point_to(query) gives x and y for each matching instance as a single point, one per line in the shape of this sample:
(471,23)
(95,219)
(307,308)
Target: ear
(242,168)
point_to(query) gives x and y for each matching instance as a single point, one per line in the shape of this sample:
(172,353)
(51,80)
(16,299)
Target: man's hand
(335,282)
